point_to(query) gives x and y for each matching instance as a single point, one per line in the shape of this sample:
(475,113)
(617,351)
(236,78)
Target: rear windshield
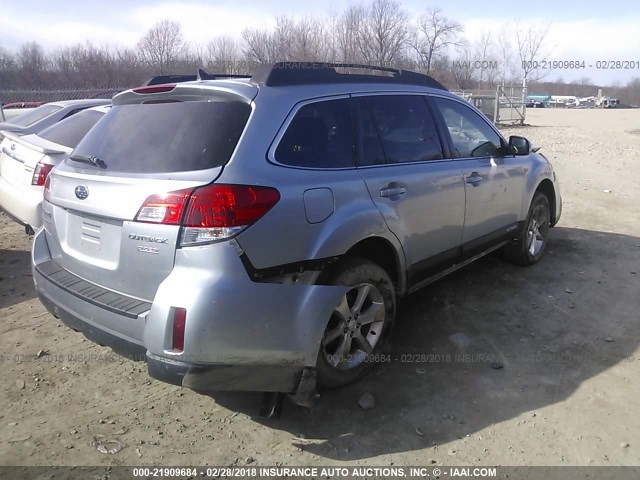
(29,118)
(70,131)
(166,137)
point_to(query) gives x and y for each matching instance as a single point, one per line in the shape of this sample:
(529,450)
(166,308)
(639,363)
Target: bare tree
(224,56)
(32,65)
(7,69)
(433,36)
(162,45)
(6,59)
(310,41)
(508,64)
(331,26)
(348,33)
(463,70)
(196,53)
(487,71)
(306,39)
(530,43)
(257,45)
(384,33)
(129,68)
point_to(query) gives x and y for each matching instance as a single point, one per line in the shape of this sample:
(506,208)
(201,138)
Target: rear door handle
(393,190)
(474,179)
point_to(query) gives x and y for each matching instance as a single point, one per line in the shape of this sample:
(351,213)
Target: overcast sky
(587,30)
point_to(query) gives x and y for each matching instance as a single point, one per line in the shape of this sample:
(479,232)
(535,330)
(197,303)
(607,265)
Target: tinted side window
(396,129)
(319,136)
(471,135)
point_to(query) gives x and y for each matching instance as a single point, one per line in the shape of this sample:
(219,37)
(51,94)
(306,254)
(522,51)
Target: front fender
(541,170)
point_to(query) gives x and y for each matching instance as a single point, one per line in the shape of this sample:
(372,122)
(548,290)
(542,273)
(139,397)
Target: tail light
(211,213)
(40,173)
(166,208)
(179,324)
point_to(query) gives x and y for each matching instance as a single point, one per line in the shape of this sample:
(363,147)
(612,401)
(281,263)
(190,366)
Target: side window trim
(440,120)
(435,117)
(271,152)
(443,132)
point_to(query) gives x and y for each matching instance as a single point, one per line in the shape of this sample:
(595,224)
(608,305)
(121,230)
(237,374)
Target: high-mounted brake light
(40,173)
(211,213)
(155,88)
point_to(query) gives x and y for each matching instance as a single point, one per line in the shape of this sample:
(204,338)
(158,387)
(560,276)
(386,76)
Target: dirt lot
(551,375)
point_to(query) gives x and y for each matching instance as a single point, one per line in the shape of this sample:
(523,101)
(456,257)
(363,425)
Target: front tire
(531,244)
(359,324)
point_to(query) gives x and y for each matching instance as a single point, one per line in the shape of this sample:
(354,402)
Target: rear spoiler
(201,75)
(39,144)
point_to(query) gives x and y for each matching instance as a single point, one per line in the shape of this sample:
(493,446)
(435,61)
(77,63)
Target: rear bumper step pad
(101,297)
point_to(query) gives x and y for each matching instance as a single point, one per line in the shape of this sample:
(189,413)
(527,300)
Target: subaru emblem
(82,192)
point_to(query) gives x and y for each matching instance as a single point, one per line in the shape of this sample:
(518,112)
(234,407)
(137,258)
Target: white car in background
(44,116)
(25,163)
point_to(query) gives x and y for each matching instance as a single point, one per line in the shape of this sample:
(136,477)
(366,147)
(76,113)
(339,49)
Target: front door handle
(474,179)
(393,190)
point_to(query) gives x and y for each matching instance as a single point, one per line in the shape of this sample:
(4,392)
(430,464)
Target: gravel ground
(494,365)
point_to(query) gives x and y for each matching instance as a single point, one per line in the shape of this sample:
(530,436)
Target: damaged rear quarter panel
(233,320)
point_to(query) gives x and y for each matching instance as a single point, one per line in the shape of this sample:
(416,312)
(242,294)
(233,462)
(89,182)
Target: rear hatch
(19,157)
(113,218)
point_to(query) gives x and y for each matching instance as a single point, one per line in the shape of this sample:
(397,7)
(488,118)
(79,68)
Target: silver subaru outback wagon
(257,233)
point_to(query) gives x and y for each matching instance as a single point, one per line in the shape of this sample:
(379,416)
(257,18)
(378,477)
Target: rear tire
(359,324)
(531,244)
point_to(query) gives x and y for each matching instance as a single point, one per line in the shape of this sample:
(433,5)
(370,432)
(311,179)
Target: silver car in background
(25,163)
(257,233)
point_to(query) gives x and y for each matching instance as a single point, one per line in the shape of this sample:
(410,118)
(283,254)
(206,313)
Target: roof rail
(306,73)
(201,75)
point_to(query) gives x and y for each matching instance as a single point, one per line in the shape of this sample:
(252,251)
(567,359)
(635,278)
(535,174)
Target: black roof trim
(308,73)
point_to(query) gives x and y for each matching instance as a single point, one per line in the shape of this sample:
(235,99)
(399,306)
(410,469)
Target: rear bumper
(21,204)
(259,378)
(230,343)
(190,375)
(120,345)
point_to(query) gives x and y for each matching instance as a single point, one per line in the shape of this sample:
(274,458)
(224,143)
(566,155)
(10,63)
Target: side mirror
(519,145)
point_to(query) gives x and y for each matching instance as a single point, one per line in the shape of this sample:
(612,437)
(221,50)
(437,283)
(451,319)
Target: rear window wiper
(88,159)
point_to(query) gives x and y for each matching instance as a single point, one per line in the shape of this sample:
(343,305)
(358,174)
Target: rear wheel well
(546,188)
(380,252)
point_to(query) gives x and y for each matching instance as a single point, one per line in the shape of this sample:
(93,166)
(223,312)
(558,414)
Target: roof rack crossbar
(305,73)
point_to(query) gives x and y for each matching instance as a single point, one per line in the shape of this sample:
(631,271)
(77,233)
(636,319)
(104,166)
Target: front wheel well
(546,188)
(382,253)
